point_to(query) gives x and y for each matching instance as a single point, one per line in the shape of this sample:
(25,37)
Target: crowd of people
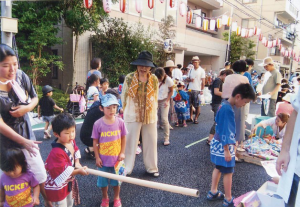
(119,120)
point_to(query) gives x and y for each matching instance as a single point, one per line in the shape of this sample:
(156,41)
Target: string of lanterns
(208,23)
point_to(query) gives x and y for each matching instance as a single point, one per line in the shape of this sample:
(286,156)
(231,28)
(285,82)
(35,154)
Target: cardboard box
(265,193)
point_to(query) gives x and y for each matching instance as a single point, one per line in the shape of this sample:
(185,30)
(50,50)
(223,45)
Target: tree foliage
(118,44)
(79,20)
(37,33)
(240,47)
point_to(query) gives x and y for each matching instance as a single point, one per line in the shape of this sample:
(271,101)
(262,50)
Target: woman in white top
(93,83)
(278,125)
(164,96)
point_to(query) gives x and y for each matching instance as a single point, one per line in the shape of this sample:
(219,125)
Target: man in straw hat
(271,86)
(140,99)
(196,79)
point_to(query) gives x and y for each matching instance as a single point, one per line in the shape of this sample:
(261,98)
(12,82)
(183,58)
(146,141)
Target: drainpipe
(6,37)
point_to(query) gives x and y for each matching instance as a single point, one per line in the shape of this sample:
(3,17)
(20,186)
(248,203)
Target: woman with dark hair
(165,93)
(231,81)
(95,67)
(15,91)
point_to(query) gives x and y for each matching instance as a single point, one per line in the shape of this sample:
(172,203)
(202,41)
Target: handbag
(75,97)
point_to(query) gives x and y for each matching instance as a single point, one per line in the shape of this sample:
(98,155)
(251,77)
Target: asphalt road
(187,167)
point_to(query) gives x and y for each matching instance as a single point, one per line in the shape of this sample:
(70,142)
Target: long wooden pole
(145,183)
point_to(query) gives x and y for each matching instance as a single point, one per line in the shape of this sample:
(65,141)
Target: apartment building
(191,40)
(275,18)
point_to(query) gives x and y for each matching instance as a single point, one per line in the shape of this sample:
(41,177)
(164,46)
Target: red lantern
(279,46)
(258,31)
(251,32)
(182,9)
(138,6)
(260,37)
(172,3)
(107,6)
(122,6)
(255,30)
(212,24)
(286,53)
(189,17)
(264,40)
(274,43)
(88,3)
(282,51)
(150,4)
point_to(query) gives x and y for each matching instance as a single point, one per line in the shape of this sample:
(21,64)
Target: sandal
(105,202)
(190,120)
(89,153)
(196,122)
(117,203)
(184,125)
(176,124)
(227,203)
(213,197)
(166,143)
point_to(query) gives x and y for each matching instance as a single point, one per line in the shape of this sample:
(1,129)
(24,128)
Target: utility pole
(257,43)
(294,35)
(229,39)
(6,10)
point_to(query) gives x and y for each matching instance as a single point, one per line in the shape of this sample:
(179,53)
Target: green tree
(166,31)
(240,47)
(118,44)
(37,33)
(79,20)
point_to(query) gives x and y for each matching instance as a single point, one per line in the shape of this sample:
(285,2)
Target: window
(54,67)
(278,22)
(131,8)
(160,10)
(275,51)
(248,23)
(173,11)
(147,12)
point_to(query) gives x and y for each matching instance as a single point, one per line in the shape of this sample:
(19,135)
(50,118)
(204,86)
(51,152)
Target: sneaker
(46,132)
(138,150)
(105,202)
(117,203)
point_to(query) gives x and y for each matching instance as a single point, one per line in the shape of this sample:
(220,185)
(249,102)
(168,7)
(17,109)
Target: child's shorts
(225,170)
(48,118)
(103,182)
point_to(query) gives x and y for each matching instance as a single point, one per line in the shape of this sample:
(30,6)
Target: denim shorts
(48,118)
(225,170)
(103,182)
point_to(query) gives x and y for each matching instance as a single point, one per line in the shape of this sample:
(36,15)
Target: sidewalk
(42,125)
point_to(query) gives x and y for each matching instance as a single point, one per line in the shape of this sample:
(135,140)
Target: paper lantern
(286,53)
(182,9)
(247,33)
(260,37)
(88,3)
(282,51)
(224,19)
(198,22)
(279,46)
(258,31)
(270,44)
(205,24)
(255,30)
(172,3)
(150,4)
(219,23)
(279,42)
(229,21)
(122,6)
(234,26)
(138,6)
(264,40)
(251,32)
(243,33)
(107,6)
(238,30)
(168,46)
(274,43)
(189,17)
(212,24)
